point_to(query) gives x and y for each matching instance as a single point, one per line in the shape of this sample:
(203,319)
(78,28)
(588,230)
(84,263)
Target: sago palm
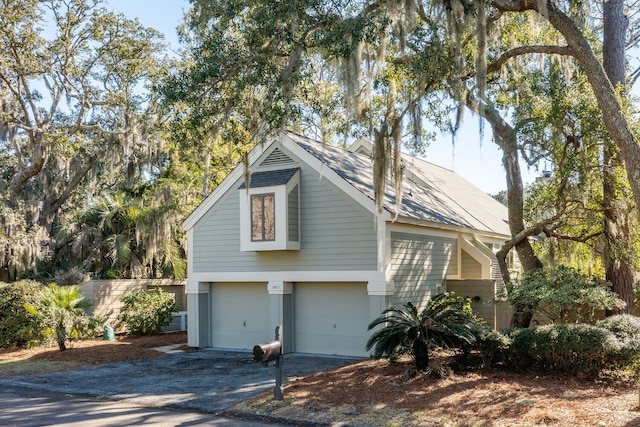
(446,321)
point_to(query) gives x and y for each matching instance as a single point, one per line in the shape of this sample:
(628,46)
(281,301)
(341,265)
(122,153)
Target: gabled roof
(432,195)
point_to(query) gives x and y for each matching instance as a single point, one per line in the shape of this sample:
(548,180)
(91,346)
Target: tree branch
(526,50)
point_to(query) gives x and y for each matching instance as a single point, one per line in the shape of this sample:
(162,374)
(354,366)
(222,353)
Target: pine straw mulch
(373,392)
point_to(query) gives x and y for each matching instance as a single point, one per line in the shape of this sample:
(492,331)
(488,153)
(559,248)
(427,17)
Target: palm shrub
(61,311)
(447,321)
(147,312)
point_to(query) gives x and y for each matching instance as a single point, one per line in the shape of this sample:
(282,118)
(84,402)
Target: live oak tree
(76,115)
(617,206)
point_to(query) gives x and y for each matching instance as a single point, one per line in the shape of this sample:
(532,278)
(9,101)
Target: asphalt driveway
(202,380)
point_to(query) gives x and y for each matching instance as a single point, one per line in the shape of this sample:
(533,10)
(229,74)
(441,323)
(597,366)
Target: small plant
(147,312)
(447,321)
(61,312)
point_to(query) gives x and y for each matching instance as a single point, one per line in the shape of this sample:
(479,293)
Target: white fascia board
(289,276)
(448,227)
(225,185)
(326,172)
(423,230)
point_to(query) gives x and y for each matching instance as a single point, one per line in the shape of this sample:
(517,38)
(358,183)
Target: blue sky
(477,161)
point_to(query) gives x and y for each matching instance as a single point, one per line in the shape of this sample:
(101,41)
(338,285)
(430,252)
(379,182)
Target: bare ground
(377,393)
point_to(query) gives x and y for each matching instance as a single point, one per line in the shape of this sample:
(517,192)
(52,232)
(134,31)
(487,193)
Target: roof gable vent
(276,158)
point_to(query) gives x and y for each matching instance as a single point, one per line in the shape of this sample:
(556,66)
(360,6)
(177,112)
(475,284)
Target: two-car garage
(326,318)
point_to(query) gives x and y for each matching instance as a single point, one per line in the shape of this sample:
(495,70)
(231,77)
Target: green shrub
(562,294)
(17,327)
(571,349)
(492,346)
(147,312)
(625,327)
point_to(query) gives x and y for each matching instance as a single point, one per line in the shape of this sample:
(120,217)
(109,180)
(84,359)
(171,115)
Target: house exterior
(304,246)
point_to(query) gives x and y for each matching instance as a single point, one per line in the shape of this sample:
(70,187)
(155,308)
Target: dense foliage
(626,329)
(147,312)
(17,327)
(563,295)
(446,321)
(571,349)
(610,346)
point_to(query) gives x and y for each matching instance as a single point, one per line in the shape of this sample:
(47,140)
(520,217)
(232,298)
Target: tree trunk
(617,230)
(421,355)
(615,204)
(61,337)
(506,136)
(26,172)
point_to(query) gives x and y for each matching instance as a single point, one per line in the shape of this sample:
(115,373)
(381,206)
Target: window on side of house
(270,211)
(263,217)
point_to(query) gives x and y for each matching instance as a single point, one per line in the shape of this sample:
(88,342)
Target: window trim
(281,222)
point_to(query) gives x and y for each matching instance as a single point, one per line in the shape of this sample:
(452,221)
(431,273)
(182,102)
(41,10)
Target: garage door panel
(331,318)
(240,314)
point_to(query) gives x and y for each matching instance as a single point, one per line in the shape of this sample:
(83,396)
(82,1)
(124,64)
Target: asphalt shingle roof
(430,192)
(270,178)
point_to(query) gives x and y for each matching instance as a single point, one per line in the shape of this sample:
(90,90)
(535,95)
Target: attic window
(270,211)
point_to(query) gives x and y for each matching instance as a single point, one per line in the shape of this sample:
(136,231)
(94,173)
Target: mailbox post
(270,354)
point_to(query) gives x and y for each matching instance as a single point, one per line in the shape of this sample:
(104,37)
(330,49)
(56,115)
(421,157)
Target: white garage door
(331,318)
(240,315)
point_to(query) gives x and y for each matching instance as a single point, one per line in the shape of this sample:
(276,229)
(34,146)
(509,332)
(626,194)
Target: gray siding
(419,264)
(336,234)
(471,269)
